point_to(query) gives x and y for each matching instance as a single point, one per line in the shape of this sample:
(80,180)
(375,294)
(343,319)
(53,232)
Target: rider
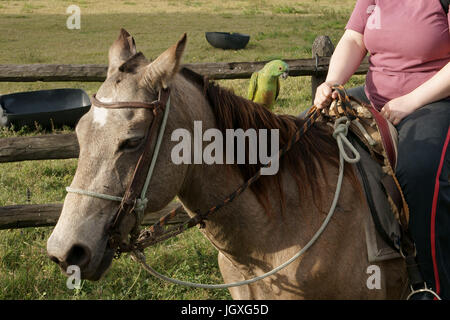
(409,82)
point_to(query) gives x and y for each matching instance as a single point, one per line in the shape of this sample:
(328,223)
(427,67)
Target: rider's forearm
(346,58)
(434,89)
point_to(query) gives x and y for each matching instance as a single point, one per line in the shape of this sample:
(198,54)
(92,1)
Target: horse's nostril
(54,259)
(79,255)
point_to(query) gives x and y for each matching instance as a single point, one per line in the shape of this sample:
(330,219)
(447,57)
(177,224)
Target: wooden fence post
(322,47)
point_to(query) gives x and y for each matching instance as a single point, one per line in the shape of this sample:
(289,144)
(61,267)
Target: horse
(262,228)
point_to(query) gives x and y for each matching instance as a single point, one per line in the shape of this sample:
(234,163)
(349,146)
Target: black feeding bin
(226,40)
(48,108)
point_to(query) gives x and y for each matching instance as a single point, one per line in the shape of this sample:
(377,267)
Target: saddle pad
(377,249)
(382,229)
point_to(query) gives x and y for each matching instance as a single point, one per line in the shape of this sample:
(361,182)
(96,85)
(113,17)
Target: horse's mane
(305,160)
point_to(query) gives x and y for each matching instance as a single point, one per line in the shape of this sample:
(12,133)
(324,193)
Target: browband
(161,102)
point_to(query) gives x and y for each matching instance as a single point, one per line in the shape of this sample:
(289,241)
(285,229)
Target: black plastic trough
(48,108)
(226,40)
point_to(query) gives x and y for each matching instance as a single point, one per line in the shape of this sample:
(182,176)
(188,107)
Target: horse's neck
(243,224)
(205,186)
(233,225)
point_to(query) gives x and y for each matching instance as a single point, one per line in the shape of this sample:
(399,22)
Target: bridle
(134,200)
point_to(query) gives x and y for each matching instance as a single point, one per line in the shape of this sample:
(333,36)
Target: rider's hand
(398,108)
(324,95)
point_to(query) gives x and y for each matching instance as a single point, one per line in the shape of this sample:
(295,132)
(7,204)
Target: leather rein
(134,201)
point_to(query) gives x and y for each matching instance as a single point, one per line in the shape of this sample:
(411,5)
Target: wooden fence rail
(216,70)
(43,147)
(42,215)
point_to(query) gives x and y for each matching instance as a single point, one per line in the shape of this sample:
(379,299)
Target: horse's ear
(121,50)
(159,73)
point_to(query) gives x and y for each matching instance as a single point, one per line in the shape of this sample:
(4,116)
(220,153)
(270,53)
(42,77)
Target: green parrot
(264,84)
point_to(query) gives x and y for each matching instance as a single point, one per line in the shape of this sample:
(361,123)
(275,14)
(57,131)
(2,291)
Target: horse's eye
(131,144)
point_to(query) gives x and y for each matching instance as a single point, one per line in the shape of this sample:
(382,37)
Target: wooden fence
(65,146)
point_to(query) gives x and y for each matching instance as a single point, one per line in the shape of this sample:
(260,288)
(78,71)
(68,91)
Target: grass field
(35,32)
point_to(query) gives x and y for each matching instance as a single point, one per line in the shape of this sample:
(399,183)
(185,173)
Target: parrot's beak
(284,75)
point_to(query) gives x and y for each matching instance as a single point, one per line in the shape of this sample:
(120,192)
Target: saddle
(378,138)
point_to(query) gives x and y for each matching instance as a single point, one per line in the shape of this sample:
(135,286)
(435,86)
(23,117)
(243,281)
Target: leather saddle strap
(390,187)
(391,184)
(386,137)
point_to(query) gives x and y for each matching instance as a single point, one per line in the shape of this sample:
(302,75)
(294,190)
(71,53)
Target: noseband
(134,200)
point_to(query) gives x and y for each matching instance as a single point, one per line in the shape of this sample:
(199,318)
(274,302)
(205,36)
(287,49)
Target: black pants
(423,170)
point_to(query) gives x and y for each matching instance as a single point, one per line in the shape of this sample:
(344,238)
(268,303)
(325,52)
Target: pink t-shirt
(408,41)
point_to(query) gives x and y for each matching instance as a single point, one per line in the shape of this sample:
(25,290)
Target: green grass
(27,274)
(36,33)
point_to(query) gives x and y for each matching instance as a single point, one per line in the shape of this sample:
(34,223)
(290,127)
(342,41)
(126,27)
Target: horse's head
(111,142)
